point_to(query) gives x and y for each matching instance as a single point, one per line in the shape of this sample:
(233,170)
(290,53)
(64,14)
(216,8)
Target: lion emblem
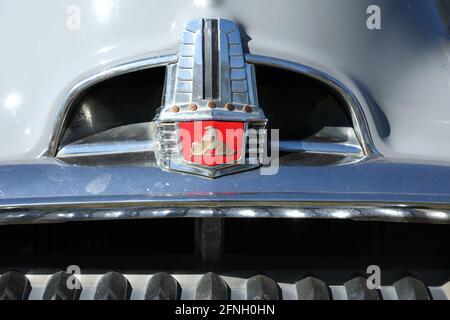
(209,144)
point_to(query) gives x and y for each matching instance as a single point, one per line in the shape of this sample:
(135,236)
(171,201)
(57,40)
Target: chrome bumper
(381,189)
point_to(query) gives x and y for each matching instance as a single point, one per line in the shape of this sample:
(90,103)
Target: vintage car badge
(212,143)
(210,123)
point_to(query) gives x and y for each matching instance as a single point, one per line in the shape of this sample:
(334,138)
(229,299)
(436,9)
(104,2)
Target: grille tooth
(262,288)
(14,286)
(312,289)
(162,286)
(113,286)
(410,288)
(446,291)
(357,290)
(212,287)
(57,288)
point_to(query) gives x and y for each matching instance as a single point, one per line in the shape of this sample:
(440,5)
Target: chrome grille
(117,286)
(168,141)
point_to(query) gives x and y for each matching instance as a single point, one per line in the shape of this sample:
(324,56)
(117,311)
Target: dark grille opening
(116,244)
(298,105)
(127,99)
(338,238)
(255,245)
(334,248)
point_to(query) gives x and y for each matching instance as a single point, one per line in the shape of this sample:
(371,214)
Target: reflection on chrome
(248,213)
(391,212)
(437,215)
(341,214)
(295,214)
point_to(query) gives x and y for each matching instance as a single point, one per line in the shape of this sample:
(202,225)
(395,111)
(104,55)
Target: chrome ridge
(211,81)
(211,68)
(134,210)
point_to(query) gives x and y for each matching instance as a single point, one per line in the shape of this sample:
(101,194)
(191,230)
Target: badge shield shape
(210,122)
(212,143)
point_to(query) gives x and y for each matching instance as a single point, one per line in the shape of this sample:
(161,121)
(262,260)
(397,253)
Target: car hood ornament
(210,123)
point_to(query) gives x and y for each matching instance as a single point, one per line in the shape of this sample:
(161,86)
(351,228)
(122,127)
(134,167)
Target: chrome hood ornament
(210,123)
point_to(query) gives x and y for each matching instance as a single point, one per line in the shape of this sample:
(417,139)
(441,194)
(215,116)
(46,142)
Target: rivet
(248,109)
(193,107)
(175,109)
(212,104)
(229,106)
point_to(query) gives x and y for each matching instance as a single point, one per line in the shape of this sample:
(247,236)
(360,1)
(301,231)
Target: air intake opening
(123,100)
(298,105)
(314,120)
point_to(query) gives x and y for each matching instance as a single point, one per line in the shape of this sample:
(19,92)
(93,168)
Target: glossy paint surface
(400,74)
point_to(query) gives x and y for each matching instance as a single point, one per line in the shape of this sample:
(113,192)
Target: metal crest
(210,123)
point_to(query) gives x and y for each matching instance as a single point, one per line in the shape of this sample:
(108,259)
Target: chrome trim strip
(67,104)
(329,140)
(107,148)
(357,113)
(127,211)
(317,147)
(141,138)
(128,139)
(125,147)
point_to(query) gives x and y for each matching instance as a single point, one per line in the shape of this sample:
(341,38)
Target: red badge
(212,143)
